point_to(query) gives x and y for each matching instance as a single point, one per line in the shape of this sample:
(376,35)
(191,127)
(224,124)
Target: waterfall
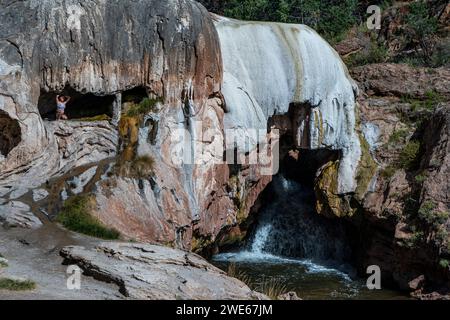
(260,239)
(290,231)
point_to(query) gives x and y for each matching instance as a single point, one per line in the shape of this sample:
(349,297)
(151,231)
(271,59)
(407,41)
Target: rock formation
(94,50)
(158,273)
(208,82)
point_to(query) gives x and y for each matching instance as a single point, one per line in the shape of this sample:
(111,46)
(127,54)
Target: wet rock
(3,262)
(18,214)
(417,283)
(153,272)
(291,296)
(39,194)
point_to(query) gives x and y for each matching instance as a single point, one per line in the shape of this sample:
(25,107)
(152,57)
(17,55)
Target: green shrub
(430,215)
(398,136)
(3,264)
(146,106)
(420,178)
(376,53)
(422,25)
(76,216)
(16,285)
(409,156)
(330,18)
(442,235)
(412,242)
(444,263)
(388,172)
(429,102)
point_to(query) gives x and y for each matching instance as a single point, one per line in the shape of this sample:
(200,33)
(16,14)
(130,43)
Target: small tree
(422,27)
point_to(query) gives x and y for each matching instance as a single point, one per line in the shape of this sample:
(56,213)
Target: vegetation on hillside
(76,215)
(16,285)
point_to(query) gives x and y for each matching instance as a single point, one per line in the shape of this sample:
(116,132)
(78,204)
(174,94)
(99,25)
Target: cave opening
(10,134)
(82,106)
(134,95)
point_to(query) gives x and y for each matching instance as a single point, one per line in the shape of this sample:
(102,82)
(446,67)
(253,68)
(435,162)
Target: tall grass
(273,288)
(76,216)
(16,285)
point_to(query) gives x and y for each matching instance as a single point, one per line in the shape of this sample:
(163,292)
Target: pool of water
(309,280)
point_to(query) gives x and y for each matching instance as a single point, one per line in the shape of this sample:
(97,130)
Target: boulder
(157,273)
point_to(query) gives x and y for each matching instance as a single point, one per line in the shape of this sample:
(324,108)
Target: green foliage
(419,20)
(272,288)
(444,263)
(3,264)
(16,285)
(409,156)
(388,172)
(398,136)
(412,242)
(420,178)
(441,54)
(146,106)
(431,216)
(376,53)
(76,216)
(329,17)
(442,235)
(421,26)
(431,100)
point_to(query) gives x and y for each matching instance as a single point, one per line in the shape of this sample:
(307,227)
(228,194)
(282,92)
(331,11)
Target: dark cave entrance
(134,95)
(81,106)
(10,133)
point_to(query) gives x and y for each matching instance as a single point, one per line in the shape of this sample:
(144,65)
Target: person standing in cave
(61,103)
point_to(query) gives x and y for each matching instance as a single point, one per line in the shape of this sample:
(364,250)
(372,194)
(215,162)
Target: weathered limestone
(158,273)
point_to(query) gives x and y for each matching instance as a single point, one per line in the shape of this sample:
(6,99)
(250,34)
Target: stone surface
(39,194)
(402,80)
(290,296)
(286,72)
(164,54)
(17,214)
(153,272)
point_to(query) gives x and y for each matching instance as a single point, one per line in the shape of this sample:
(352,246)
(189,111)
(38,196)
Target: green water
(310,281)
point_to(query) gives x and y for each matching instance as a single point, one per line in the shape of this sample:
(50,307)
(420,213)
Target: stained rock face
(173,50)
(269,67)
(99,48)
(158,273)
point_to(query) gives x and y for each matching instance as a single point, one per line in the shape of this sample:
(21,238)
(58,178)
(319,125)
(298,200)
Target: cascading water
(292,244)
(288,228)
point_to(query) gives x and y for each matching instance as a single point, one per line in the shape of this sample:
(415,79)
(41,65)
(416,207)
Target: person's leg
(64,117)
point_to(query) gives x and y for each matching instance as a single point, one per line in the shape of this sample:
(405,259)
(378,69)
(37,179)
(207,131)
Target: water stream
(303,251)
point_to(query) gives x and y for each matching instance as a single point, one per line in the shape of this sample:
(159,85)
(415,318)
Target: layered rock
(80,47)
(158,273)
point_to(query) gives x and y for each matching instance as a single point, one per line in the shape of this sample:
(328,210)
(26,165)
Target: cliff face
(102,48)
(168,48)
(271,69)
(102,53)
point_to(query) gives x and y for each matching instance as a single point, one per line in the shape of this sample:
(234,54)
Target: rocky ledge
(153,272)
